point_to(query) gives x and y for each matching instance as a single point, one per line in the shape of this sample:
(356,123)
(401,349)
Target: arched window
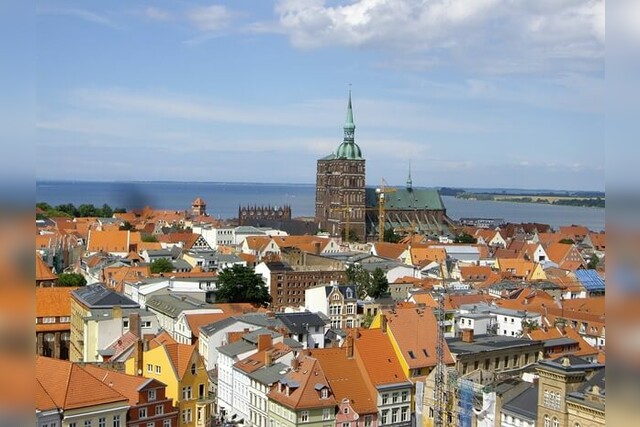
(556,422)
(547,421)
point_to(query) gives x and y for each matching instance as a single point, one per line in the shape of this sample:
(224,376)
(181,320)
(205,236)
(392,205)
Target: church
(345,205)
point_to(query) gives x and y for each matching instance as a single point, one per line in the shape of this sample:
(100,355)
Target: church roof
(407,199)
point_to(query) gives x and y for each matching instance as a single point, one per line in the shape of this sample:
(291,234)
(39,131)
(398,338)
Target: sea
(224,198)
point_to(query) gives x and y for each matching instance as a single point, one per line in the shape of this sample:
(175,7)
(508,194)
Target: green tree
(567,241)
(367,319)
(161,265)
(106,211)
(149,238)
(353,235)
(71,280)
(68,208)
(465,238)
(379,284)
(593,262)
(242,284)
(391,236)
(86,210)
(119,210)
(358,276)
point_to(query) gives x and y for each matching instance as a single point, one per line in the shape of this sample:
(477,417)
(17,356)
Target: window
(404,416)
(324,393)
(395,397)
(304,416)
(72,424)
(394,415)
(64,319)
(87,423)
(166,423)
(385,416)
(152,395)
(149,367)
(142,413)
(158,369)
(48,320)
(102,422)
(326,413)
(405,396)
(146,324)
(116,421)
(151,424)
(186,393)
(193,369)
(556,422)
(346,424)
(368,420)
(159,409)
(547,421)
(346,410)
(385,398)
(186,416)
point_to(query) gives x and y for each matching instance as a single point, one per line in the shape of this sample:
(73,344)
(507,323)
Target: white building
(337,302)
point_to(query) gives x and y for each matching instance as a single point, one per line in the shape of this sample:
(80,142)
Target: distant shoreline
(588,200)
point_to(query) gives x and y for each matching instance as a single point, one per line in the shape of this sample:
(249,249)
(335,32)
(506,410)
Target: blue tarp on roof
(590,280)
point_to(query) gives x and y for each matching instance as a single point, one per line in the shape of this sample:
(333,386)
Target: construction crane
(381,191)
(348,210)
(439,412)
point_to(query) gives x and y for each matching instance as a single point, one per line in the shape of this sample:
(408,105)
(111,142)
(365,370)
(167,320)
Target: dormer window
(324,393)
(349,293)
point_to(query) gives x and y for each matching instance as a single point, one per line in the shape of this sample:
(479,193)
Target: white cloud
(527,36)
(210,18)
(83,14)
(156,14)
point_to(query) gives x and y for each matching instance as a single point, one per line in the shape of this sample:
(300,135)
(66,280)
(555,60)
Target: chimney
(134,324)
(349,346)
(268,358)
(138,356)
(295,364)
(467,335)
(264,342)
(383,322)
(117,312)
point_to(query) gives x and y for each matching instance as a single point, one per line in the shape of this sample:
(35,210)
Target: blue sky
(477,93)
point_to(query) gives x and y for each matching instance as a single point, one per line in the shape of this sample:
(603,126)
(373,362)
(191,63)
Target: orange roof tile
(257,360)
(422,253)
(415,332)
(112,241)
(129,386)
(378,359)
(43,272)
(544,334)
(598,240)
(346,379)
(517,267)
(181,356)
(308,377)
(389,250)
(546,239)
(53,301)
(67,384)
(475,273)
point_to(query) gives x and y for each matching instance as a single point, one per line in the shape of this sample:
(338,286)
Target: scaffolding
(466,402)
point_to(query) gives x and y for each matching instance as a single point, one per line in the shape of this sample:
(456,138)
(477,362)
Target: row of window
(397,415)
(102,422)
(60,319)
(396,397)
(143,413)
(552,399)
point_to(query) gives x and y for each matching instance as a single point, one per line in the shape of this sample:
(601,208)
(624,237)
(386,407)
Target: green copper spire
(349,149)
(409,181)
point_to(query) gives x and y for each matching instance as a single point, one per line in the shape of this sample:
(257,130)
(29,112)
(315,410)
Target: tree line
(81,211)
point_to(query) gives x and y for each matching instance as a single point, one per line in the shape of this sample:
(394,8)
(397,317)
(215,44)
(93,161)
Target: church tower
(340,186)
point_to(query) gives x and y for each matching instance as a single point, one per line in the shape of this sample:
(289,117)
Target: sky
(476,93)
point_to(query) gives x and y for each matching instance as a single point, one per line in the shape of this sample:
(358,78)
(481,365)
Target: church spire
(409,181)
(349,126)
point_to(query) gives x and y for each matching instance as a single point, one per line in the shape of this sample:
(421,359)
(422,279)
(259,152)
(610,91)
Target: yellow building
(182,369)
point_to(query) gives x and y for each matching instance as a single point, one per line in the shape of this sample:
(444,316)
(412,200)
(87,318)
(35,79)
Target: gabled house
(148,403)
(182,369)
(67,395)
(303,396)
(566,255)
